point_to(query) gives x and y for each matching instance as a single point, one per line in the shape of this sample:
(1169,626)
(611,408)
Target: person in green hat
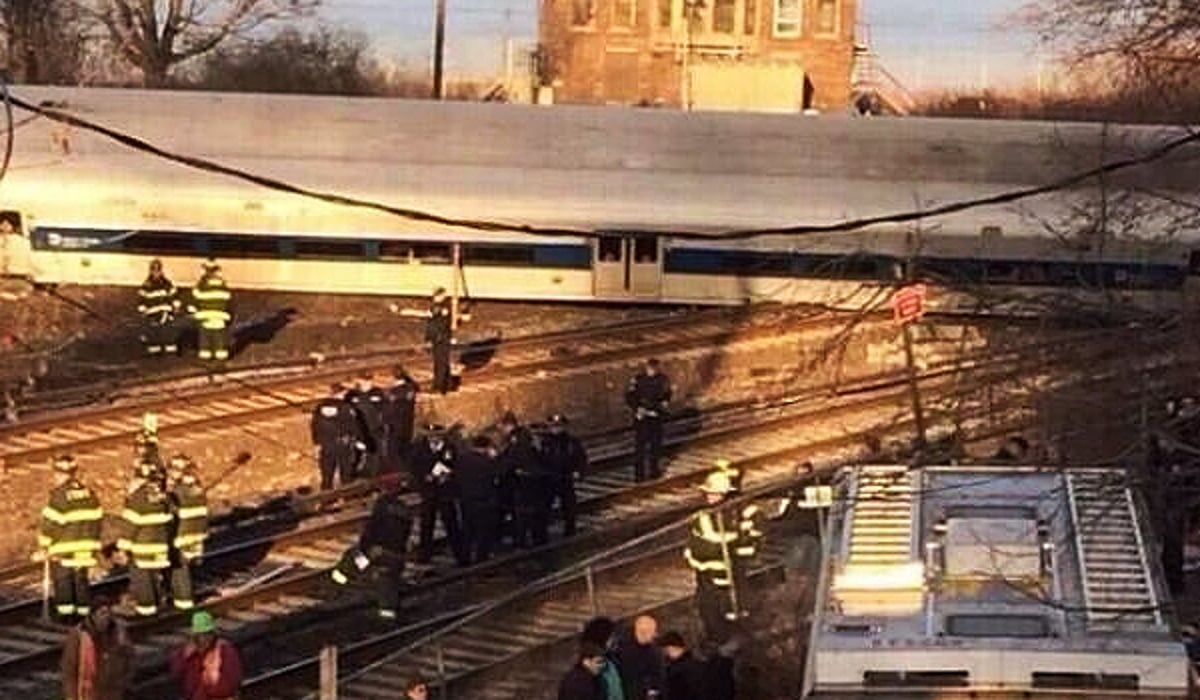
(207,666)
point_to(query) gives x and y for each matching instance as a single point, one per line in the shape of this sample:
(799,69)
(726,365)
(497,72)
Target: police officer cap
(65,464)
(337,388)
(435,429)
(557,419)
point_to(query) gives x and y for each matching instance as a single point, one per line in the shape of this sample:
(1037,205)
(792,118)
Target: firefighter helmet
(66,464)
(149,423)
(717,482)
(210,265)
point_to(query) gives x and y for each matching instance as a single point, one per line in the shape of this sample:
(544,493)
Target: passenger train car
(637,200)
(991,582)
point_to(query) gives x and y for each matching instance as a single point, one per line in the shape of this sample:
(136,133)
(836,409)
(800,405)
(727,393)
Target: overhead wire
(844,226)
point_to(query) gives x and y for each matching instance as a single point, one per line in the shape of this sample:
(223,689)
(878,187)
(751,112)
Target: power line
(844,226)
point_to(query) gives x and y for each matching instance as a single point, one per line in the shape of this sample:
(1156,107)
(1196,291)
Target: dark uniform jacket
(400,401)
(685,678)
(563,455)
(96,666)
(210,302)
(70,527)
(437,329)
(424,461)
(518,458)
(147,518)
(191,518)
(648,395)
(368,408)
(158,300)
(477,478)
(388,526)
(580,684)
(333,421)
(643,669)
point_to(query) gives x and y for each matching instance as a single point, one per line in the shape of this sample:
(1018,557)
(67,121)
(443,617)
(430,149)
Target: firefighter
(368,402)
(210,309)
(158,303)
(566,460)
(381,548)
(432,470)
(147,519)
(189,503)
(718,551)
(439,333)
(648,394)
(335,433)
(69,538)
(399,411)
(523,487)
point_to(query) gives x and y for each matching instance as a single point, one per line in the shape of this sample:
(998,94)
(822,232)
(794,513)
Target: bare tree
(324,61)
(43,40)
(155,35)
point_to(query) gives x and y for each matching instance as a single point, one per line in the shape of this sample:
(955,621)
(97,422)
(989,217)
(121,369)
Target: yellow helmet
(65,464)
(724,464)
(716,482)
(149,423)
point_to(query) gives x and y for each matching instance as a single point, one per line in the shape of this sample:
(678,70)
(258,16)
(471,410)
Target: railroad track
(298,568)
(238,401)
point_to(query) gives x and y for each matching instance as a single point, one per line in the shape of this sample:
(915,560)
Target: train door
(627,265)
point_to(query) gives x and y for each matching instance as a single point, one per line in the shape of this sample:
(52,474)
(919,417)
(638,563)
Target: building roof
(990,578)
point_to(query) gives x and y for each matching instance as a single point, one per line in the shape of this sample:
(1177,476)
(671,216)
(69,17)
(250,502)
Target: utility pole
(439,47)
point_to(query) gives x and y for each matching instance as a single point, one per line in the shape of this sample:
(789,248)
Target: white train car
(986,582)
(637,200)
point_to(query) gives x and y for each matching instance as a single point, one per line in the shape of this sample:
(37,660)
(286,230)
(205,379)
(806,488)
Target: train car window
(329,249)
(234,246)
(564,256)
(1021,626)
(10,222)
(916,678)
(432,252)
(474,254)
(163,243)
(645,249)
(395,250)
(610,248)
(1116,681)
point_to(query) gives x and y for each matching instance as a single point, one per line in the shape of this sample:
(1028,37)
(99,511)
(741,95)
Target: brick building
(770,55)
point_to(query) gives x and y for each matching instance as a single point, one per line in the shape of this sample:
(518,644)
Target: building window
(827,17)
(665,13)
(723,15)
(624,13)
(787,17)
(750,17)
(582,12)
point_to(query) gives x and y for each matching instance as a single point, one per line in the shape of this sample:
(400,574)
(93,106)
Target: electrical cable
(9,126)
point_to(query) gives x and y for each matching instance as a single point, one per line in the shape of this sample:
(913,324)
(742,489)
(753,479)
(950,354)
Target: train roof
(584,167)
(936,570)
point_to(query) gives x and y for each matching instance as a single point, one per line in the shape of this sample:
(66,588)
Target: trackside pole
(329,672)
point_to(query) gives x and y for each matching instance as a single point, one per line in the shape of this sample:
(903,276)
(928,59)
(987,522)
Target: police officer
(432,469)
(210,309)
(566,460)
(158,303)
(335,431)
(439,333)
(719,553)
(381,548)
(478,485)
(147,522)
(69,537)
(399,412)
(368,402)
(189,505)
(648,394)
(522,488)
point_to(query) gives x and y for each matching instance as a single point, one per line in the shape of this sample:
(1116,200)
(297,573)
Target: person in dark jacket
(565,460)
(382,548)
(97,660)
(368,402)
(648,396)
(602,631)
(158,303)
(399,412)
(583,681)
(335,432)
(522,483)
(439,333)
(432,471)
(643,672)
(684,672)
(479,495)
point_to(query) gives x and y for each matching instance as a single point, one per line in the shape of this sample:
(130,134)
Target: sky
(926,44)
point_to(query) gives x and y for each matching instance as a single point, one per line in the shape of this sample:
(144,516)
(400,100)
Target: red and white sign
(908,303)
